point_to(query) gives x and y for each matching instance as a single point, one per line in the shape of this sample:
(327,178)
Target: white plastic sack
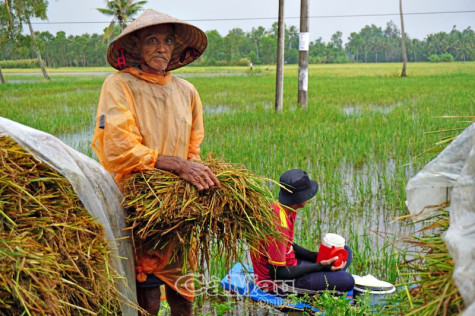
(451,177)
(95,188)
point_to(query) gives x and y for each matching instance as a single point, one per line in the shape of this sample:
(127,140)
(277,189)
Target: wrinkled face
(156,44)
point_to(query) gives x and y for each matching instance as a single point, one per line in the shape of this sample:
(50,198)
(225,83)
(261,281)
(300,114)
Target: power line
(340,16)
(274,18)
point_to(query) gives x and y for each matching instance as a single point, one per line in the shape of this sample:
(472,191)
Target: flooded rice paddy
(358,139)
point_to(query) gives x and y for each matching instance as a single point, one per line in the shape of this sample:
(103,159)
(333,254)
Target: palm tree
(370,38)
(336,40)
(122,12)
(256,36)
(292,36)
(355,42)
(467,43)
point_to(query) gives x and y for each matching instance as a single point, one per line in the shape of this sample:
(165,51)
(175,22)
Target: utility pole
(279,82)
(303,54)
(403,37)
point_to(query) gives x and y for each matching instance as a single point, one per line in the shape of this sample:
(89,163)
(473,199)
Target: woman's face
(156,44)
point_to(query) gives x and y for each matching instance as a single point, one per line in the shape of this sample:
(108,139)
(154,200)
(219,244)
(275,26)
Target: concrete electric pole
(279,82)
(303,54)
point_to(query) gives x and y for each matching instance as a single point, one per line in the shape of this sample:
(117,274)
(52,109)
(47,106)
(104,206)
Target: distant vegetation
(371,44)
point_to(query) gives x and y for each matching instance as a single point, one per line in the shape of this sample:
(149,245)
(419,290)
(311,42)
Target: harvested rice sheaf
(433,291)
(53,255)
(164,208)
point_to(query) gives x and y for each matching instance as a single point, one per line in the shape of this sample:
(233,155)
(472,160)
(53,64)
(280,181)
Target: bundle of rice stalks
(164,208)
(53,255)
(446,136)
(430,288)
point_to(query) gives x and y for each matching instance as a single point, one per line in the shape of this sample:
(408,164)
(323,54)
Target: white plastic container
(333,240)
(378,291)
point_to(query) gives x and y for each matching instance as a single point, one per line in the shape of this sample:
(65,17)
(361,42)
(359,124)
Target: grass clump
(53,255)
(164,208)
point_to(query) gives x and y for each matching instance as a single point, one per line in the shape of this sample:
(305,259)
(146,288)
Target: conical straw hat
(191,42)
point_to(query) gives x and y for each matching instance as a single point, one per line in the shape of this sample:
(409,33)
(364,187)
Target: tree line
(371,44)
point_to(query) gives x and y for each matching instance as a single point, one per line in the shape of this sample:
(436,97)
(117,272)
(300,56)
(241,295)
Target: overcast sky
(326,16)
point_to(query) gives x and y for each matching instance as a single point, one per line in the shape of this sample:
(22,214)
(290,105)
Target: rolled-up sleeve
(117,141)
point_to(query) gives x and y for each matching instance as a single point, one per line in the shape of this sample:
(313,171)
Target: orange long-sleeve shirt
(141,116)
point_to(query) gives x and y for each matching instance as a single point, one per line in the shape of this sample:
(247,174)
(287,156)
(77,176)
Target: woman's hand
(330,261)
(195,173)
(199,175)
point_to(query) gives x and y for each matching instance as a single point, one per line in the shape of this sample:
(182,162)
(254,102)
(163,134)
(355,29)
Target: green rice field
(358,137)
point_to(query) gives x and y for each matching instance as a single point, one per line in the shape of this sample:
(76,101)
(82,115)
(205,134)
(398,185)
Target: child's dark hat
(297,187)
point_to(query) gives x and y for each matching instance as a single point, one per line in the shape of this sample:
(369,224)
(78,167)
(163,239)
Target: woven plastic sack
(95,188)
(451,177)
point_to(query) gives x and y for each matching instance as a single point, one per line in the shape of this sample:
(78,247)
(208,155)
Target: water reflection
(218,109)
(364,202)
(80,141)
(357,110)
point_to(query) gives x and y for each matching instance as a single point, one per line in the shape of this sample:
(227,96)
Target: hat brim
(290,198)
(191,42)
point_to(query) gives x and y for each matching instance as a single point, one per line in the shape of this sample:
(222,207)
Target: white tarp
(95,188)
(451,177)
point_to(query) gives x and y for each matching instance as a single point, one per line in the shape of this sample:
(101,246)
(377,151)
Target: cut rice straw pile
(54,259)
(164,208)
(430,288)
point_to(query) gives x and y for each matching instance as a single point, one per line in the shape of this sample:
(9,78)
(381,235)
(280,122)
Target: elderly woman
(146,119)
